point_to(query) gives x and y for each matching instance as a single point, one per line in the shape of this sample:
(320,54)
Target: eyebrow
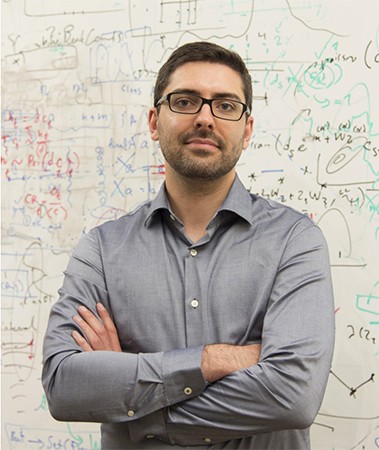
(230,95)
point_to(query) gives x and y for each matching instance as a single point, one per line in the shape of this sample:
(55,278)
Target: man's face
(201,146)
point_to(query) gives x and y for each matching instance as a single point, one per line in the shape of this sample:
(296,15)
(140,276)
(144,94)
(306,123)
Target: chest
(169,295)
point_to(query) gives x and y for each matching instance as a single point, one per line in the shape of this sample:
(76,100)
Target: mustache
(202,134)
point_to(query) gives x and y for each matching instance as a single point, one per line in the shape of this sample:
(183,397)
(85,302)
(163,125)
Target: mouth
(202,143)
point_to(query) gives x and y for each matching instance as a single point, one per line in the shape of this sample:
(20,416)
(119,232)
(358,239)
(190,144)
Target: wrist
(215,362)
(220,360)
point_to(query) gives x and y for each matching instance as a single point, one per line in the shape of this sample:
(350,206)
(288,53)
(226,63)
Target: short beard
(196,169)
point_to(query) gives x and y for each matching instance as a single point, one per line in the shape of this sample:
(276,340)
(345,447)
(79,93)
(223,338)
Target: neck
(196,201)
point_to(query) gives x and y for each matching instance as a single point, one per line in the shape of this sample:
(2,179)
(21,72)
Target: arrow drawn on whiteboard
(351,389)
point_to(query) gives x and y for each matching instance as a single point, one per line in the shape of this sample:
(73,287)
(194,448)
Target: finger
(109,326)
(97,333)
(96,341)
(79,339)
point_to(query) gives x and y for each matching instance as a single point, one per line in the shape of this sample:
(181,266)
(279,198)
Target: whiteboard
(77,80)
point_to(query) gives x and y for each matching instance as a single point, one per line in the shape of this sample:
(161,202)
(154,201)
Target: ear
(248,131)
(153,123)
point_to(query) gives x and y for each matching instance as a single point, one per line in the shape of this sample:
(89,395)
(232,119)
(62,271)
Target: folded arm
(284,390)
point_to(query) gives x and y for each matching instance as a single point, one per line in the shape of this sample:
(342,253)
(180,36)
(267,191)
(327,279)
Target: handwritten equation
(78,81)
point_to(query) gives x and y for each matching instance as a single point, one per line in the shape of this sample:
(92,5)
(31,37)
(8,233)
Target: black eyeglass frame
(207,101)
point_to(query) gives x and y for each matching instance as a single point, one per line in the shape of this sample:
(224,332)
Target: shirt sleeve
(285,389)
(105,386)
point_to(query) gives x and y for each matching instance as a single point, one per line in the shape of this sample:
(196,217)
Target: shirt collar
(238,201)
(160,202)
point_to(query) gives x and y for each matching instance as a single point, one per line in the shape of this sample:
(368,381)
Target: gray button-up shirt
(260,275)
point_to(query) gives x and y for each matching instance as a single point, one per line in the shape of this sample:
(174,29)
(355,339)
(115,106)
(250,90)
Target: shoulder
(117,229)
(270,209)
(282,221)
(133,218)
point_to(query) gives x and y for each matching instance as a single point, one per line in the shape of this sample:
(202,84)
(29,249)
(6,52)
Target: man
(207,313)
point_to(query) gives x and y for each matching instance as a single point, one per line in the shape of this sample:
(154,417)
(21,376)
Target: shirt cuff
(182,375)
(149,428)
(182,379)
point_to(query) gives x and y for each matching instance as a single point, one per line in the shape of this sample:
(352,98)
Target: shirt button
(193,252)
(194,303)
(207,440)
(131,413)
(188,391)
(150,436)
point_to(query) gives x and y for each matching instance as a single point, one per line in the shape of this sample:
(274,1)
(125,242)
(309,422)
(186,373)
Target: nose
(204,118)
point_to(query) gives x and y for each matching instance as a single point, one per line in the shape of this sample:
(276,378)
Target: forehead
(207,78)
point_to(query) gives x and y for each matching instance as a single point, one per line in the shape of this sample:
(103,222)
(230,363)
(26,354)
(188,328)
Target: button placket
(195,329)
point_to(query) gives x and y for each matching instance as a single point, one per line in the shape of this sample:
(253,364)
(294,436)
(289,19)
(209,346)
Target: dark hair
(203,51)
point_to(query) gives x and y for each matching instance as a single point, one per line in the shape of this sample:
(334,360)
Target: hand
(220,360)
(101,335)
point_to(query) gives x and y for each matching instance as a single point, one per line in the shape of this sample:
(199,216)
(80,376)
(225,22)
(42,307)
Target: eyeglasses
(222,108)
